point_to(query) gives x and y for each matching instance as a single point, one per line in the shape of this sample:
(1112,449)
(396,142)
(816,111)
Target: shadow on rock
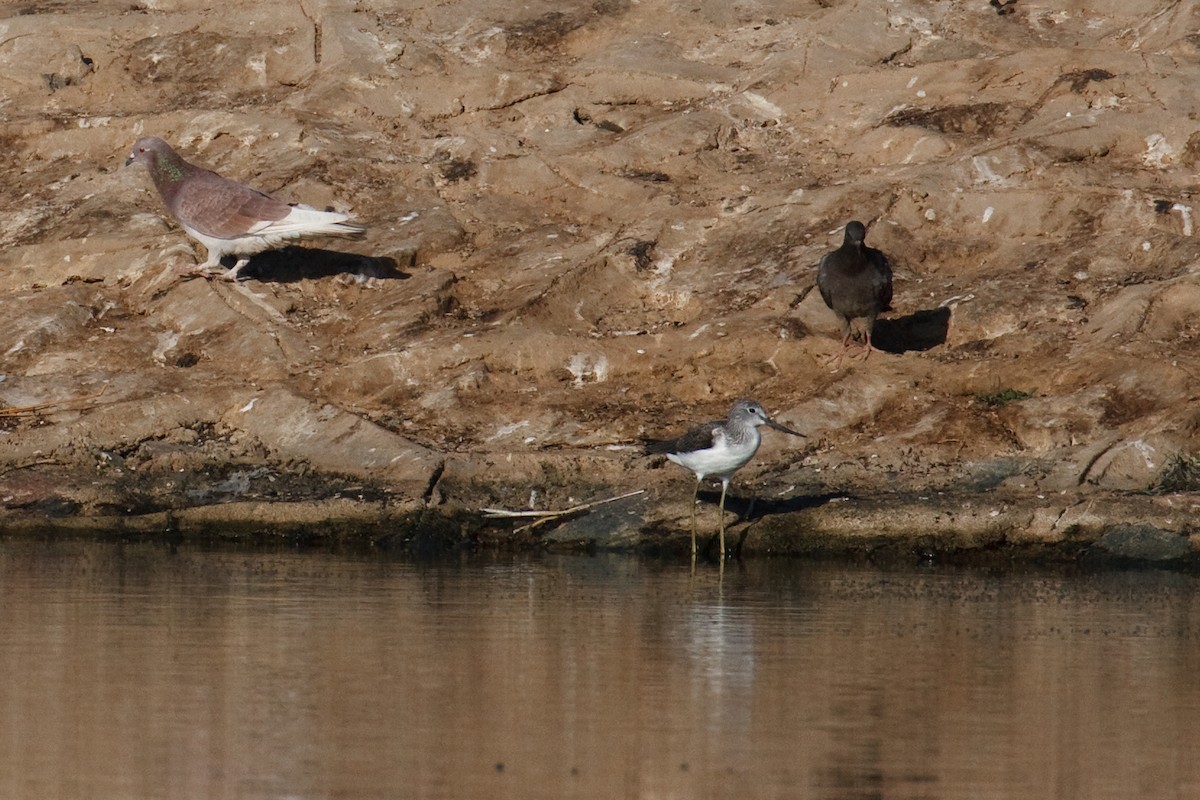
(291,264)
(750,509)
(755,508)
(922,330)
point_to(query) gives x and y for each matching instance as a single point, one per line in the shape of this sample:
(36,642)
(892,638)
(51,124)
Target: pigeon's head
(146,150)
(856,232)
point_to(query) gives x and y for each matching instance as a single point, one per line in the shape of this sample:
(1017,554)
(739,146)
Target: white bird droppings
(588,369)
(1158,150)
(1186,213)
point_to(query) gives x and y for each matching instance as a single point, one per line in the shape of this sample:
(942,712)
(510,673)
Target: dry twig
(20,411)
(543,517)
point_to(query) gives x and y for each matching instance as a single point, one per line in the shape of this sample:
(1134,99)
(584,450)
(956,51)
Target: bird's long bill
(783,428)
(129,160)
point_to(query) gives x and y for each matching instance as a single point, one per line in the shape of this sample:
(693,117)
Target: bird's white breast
(242,245)
(722,459)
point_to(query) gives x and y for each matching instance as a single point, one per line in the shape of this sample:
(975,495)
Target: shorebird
(856,283)
(226,216)
(718,449)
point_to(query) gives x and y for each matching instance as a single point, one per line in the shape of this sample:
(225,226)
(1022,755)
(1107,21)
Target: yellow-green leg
(724,488)
(695,495)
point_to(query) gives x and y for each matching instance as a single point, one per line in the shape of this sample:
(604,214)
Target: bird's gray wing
(224,209)
(823,278)
(700,437)
(882,279)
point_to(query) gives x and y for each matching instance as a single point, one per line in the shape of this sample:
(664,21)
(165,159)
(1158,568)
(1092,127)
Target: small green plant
(1002,397)
(1181,473)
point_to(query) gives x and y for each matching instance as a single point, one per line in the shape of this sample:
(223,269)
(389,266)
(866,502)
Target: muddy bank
(268,506)
(595,222)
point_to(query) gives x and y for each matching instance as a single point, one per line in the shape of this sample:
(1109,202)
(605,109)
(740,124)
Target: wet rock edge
(1087,527)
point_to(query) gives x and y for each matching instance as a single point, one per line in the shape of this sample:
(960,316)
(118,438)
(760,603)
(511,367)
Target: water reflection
(137,671)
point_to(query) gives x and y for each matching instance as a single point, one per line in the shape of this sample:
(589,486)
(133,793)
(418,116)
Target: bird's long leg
(695,494)
(724,488)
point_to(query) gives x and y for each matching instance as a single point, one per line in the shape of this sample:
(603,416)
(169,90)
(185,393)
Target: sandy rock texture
(591,222)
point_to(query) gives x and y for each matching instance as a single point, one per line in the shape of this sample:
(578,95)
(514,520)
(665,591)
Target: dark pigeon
(856,283)
(228,217)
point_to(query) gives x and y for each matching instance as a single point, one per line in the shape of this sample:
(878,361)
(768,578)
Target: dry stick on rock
(18,411)
(544,517)
(37,462)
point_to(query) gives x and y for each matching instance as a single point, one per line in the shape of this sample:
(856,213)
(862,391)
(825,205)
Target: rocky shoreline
(999,526)
(591,223)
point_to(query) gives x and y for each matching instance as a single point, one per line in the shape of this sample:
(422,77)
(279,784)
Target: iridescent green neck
(167,167)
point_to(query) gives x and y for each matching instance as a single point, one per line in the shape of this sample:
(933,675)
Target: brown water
(137,671)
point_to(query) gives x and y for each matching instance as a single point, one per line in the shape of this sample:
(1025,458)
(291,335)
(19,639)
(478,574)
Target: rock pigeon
(228,217)
(856,282)
(718,449)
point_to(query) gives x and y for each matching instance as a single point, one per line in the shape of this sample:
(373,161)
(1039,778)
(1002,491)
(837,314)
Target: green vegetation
(1002,397)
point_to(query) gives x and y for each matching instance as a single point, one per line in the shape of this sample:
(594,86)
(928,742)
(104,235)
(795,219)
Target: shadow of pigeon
(294,263)
(919,331)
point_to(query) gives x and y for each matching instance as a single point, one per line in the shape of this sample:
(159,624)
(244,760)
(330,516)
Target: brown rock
(596,221)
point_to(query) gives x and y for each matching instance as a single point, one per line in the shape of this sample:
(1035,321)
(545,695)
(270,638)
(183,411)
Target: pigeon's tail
(347,230)
(307,221)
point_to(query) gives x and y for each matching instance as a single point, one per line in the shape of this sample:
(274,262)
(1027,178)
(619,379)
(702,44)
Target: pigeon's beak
(779,427)
(129,160)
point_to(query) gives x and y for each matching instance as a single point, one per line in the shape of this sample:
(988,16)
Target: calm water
(135,671)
